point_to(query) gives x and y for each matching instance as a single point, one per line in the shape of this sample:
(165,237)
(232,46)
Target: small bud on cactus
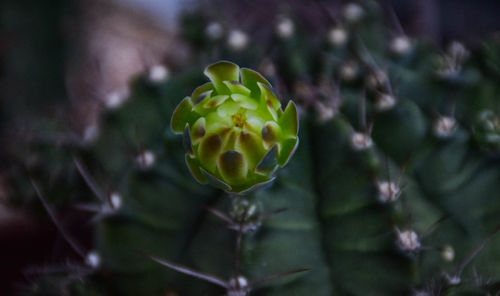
(384,102)
(448,253)
(243,209)
(337,36)
(376,79)
(285,28)
(237,40)
(353,12)
(445,126)
(90,134)
(361,141)
(349,71)
(238,287)
(458,51)
(115,201)
(487,130)
(388,191)
(400,45)
(235,133)
(453,280)
(158,74)
(408,240)
(145,160)
(93,259)
(214,31)
(115,99)
(325,113)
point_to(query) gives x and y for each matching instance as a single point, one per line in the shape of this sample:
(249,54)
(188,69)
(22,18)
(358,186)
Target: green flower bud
(235,133)
(487,130)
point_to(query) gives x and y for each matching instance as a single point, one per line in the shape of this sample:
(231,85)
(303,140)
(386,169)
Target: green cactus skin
(234,131)
(336,223)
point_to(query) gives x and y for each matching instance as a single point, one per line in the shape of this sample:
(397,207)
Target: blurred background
(69,59)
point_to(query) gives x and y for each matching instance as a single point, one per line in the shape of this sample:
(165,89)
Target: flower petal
(270,133)
(194,168)
(186,140)
(251,146)
(289,120)
(256,186)
(201,92)
(245,101)
(250,78)
(214,101)
(232,166)
(183,114)
(216,182)
(210,147)
(288,147)
(269,161)
(198,130)
(268,97)
(221,71)
(237,88)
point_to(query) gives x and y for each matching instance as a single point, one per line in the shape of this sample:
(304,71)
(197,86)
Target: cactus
(393,189)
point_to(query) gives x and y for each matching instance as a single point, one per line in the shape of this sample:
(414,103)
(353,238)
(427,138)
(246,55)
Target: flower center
(239,119)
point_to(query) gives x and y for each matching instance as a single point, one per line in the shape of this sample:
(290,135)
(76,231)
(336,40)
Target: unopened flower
(408,240)
(384,102)
(445,126)
(214,31)
(361,141)
(448,253)
(388,191)
(93,259)
(158,73)
(146,159)
(337,36)
(400,45)
(235,133)
(353,12)
(285,28)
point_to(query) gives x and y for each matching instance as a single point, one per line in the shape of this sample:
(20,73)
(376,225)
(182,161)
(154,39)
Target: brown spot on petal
(199,131)
(210,147)
(251,146)
(232,166)
(211,104)
(270,132)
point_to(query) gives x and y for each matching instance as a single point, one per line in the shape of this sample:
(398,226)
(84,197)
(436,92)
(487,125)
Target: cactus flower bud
(93,259)
(235,133)
(487,130)
(408,240)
